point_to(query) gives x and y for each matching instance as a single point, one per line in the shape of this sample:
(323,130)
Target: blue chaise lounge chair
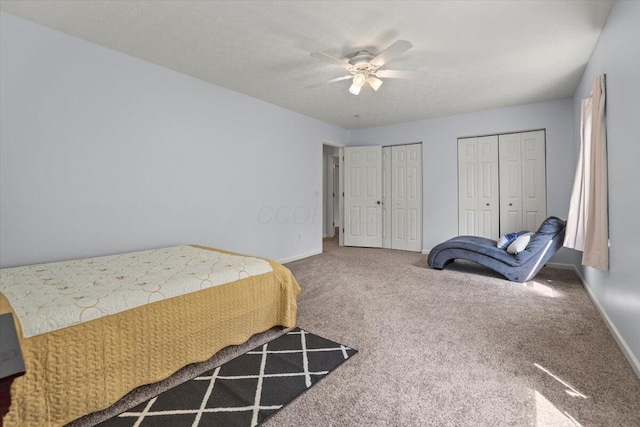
(520,267)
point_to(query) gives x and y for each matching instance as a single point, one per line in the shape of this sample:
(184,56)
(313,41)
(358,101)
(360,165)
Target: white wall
(617,54)
(102,153)
(440,159)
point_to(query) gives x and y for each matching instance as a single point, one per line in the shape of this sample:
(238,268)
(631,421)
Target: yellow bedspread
(87,367)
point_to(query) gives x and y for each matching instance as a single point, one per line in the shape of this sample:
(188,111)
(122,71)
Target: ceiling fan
(364,67)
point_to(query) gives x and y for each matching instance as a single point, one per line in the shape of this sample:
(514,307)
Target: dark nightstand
(11,362)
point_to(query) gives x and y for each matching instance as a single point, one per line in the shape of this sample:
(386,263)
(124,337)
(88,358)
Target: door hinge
(343,194)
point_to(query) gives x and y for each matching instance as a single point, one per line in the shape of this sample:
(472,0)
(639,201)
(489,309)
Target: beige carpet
(455,348)
(459,347)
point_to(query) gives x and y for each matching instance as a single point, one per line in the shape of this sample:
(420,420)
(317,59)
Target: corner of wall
(626,350)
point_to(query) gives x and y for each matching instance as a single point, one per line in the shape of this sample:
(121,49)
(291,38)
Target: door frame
(330,201)
(336,214)
(332,219)
(340,199)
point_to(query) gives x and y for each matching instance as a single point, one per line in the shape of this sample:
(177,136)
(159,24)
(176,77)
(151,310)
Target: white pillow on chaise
(520,244)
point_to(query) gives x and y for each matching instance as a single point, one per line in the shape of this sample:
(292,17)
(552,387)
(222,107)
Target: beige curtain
(588,222)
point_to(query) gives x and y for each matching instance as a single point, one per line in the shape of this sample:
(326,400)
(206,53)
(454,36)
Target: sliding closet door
(478,194)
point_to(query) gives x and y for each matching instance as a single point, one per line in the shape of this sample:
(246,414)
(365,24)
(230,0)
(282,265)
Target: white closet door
(467,186)
(523,186)
(488,197)
(363,196)
(510,154)
(386,197)
(534,183)
(478,193)
(406,197)
(414,197)
(399,226)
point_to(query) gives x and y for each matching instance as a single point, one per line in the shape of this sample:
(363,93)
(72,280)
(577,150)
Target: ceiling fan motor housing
(361,62)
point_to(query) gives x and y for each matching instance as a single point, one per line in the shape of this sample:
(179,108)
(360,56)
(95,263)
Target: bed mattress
(86,366)
(52,296)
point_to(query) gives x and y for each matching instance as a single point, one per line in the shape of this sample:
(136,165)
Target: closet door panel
(406,197)
(386,197)
(467,186)
(501,184)
(413,235)
(510,158)
(414,197)
(363,194)
(478,188)
(399,197)
(469,222)
(488,188)
(534,183)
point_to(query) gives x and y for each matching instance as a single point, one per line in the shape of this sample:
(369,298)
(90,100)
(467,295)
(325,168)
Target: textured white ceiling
(478,54)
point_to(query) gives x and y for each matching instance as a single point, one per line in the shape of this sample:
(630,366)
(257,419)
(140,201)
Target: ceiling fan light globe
(374,82)
(359,79)
(355,89)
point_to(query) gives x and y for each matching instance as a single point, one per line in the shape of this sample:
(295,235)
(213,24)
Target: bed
(521,267)
(92,330)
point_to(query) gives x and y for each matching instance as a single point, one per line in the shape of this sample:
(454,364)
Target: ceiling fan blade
(329,81)
(335,61)
(391,52)
(401,74)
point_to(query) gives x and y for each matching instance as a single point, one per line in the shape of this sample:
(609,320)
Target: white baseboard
(561,266)
(301,256)
(635,365)
(426,251)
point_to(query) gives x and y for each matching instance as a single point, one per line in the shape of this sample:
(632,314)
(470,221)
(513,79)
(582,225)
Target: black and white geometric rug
(246,390)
